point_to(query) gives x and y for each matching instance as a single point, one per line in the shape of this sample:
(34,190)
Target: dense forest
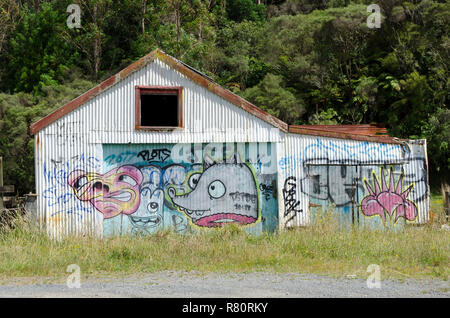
(304,61)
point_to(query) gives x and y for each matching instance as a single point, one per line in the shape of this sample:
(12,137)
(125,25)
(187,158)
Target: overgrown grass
(437,208)
(416,252)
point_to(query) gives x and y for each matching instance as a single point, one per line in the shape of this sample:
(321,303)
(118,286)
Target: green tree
(17,113)
(272,97)
(328,117)
(437,132)
(238,56)
(91,37)
(240,10)
(37,54)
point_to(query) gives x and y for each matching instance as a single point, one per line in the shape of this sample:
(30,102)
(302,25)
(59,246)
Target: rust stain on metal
(301,130)
(372,133)
(367,129)
(109,82)
(56,219)
(149,58)
(82,99)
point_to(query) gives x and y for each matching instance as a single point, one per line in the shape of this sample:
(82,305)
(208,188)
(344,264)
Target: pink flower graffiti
(390,200)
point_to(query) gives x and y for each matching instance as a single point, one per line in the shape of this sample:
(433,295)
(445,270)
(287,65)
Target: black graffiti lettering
(144,154)
(290,218)
(267,190)
(244,197)
(245,207)
(289,197)
(155,155)
(161,154)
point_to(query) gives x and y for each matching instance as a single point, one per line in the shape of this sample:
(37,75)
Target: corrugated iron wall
(313,172)
(58,210)
(75,141)
(318,172)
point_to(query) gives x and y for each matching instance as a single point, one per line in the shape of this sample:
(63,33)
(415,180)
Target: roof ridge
(191,73)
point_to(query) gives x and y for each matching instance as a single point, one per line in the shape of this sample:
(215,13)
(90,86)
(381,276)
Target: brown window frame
(155,90)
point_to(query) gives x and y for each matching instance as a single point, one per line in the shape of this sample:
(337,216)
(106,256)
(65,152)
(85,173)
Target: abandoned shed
(160,145)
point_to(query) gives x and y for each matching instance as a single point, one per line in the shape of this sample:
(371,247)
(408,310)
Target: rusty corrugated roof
(194,75)
(365,129)
(366,132)
(374,133)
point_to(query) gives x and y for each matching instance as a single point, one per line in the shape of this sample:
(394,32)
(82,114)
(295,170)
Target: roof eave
(178,66)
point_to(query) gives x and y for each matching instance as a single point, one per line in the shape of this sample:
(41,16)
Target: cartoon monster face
(223,193)
(112,193)
(149,213)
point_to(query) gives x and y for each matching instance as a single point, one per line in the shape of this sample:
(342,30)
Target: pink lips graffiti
(389,200)
(219,219)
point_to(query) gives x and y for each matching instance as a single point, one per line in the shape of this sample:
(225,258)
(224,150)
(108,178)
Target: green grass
(416,252)
(437,207)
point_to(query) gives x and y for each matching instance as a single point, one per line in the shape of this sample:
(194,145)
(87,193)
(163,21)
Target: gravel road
(254,285)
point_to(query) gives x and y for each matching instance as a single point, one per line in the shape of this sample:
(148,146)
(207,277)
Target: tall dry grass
(325,247)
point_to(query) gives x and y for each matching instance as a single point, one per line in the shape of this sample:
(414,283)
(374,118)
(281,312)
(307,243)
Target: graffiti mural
(334,180)
(232,194)
(111,193)
(57,194)
(327,173)
(144,188)
(291,203)
(346,186)
(390,200)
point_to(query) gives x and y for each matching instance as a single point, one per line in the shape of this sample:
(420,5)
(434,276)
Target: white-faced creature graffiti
(225,192)
(149,214)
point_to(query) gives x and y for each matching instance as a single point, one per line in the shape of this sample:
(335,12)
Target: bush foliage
(307,62)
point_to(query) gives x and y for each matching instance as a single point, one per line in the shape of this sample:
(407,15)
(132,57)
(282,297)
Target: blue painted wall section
(187,187)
